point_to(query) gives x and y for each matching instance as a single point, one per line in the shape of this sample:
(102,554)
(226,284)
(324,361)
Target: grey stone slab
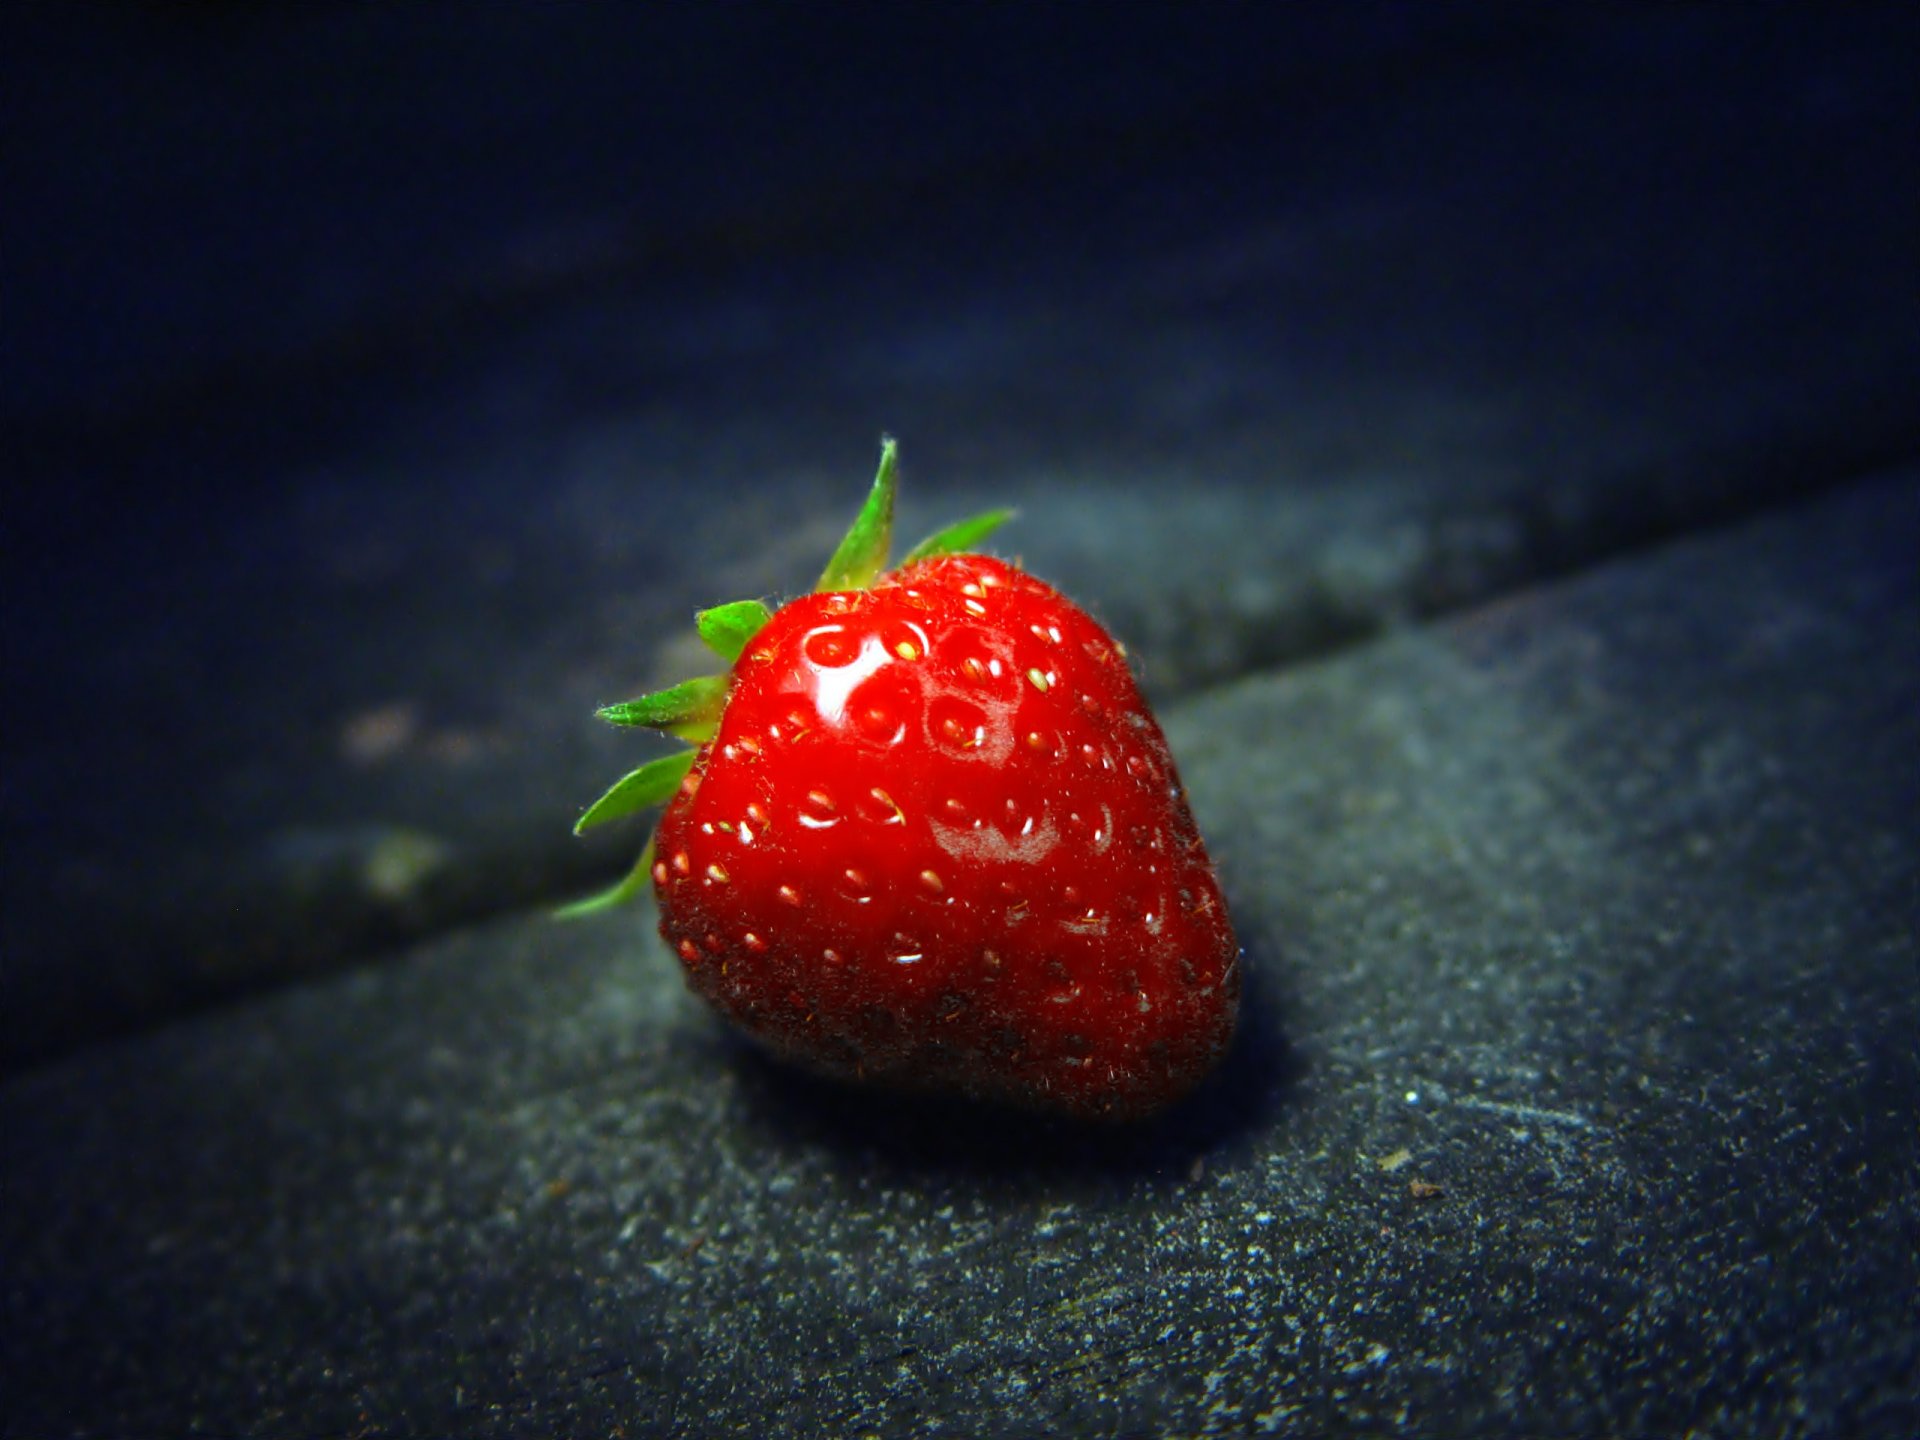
(1592,909)
(1274,376)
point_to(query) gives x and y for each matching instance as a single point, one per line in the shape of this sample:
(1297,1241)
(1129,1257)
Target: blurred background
(384,386)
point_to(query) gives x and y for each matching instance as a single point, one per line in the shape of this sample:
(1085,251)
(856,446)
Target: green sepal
(652,784)
(690,709)
(728,628)
(959,537)
(863,554)
(630,886)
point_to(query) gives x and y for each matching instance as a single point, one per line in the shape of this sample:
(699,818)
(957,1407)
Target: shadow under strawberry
(920,1137)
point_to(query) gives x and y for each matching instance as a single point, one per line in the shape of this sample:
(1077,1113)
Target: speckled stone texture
(1577,1096)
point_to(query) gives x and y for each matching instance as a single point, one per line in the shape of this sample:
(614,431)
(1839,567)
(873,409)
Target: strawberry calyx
(726,629)
(862,552)
(691,710)
(959,537)
(652,784)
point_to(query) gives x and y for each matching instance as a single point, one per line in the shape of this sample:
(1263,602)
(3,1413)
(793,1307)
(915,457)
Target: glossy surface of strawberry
(938,841)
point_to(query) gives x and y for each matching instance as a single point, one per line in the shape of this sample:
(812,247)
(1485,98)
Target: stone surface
(1592,910)
(313,638)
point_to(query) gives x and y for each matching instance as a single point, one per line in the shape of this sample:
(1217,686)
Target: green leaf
(652,784)
(629,887)
(863,554)
(690,709)
(728,628)
(959,537)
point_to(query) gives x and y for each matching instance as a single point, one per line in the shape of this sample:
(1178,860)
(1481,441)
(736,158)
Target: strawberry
(933,837)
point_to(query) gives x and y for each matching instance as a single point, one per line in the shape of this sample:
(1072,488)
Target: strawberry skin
(938,841)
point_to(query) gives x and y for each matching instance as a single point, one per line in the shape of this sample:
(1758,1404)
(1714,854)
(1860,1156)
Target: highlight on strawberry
(928,835)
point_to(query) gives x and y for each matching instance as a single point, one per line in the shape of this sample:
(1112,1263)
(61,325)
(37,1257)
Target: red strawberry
(936,839)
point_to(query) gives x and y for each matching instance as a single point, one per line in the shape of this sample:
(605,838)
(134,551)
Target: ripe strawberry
(934,838)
